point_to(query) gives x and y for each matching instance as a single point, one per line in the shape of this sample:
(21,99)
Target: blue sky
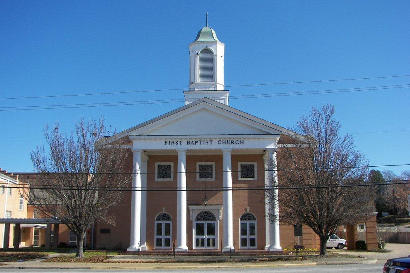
(76,47)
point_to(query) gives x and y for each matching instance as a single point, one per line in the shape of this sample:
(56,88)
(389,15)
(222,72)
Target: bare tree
(78,181)
(322,181)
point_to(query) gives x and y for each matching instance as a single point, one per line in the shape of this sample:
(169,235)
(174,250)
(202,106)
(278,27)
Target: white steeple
(206,77)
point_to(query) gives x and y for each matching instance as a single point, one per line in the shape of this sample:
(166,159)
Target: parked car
(397,265)
(336,242)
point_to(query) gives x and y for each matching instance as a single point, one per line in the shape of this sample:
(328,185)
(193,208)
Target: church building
(202,169)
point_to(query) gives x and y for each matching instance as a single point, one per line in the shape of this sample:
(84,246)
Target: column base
(144,247)
(181,249)
(273,248)
(228,249)
(134,249)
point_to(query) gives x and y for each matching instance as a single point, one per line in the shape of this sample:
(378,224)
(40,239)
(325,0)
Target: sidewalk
(206,262)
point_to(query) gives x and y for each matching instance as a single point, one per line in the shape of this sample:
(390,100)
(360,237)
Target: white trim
(164,179)
(205,179)
(255,165)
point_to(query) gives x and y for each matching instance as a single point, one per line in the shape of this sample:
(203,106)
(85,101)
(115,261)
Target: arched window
(206,65)
(205,230)
(163,232)
(248,230)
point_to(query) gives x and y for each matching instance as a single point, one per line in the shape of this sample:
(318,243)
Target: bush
(361,245)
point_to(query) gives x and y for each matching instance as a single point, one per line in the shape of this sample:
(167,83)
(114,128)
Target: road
(362,268)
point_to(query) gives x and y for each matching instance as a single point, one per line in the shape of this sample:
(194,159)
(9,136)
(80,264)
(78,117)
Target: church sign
(203,142)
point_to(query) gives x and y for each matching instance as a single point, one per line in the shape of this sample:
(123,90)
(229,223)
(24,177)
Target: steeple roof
(206,34)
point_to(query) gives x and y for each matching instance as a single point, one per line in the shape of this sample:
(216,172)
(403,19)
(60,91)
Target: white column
(144,203)
(181,202)
(135,232)
(271,202)
(227,202)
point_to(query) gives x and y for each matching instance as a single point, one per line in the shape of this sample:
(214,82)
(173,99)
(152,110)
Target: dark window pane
(205,216)
(208,242)
(158,242)
(212,242)
(199,228)
(164,171)
(251,228)
(206,171)
(243,229)
(247,170)
(163,217)
(244,242)
(248,217)
(167,242)
(167,229)
(210,228)
(252,242)
(297,230)
(159,229)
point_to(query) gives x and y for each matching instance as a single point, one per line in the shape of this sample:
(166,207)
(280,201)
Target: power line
(281,83)
(172,100)
(168,189)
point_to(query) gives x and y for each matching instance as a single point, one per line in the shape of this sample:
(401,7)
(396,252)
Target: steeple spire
(206,19)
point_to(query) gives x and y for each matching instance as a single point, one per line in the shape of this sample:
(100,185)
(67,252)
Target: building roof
(5,178)
(30,221)
(206,34)
(267,126)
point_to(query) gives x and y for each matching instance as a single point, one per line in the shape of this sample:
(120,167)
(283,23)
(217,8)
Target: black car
(397,265)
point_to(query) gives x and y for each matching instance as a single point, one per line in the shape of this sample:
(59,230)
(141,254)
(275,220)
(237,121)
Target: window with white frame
(164,171)
(8,213)
(248,230)
(163,231)
(247,170)
(205,171)
(21,203)
(205,230)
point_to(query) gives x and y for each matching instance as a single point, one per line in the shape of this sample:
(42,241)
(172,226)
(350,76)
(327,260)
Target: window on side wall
(8,213)
(21,203)
(247,171)
(205,171)
(72,240)
(164,171)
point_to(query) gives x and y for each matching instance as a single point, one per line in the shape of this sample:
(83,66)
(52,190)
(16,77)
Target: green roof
(206,34)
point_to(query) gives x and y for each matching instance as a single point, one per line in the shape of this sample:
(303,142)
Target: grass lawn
(20,256)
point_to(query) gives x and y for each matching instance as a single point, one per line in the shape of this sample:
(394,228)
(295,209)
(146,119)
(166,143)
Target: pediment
(204,117)
(205,122)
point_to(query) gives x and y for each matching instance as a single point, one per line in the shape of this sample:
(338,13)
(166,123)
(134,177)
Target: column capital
(227,150)
(134,149)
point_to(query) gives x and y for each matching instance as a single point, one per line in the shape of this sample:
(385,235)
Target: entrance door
(205,230)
